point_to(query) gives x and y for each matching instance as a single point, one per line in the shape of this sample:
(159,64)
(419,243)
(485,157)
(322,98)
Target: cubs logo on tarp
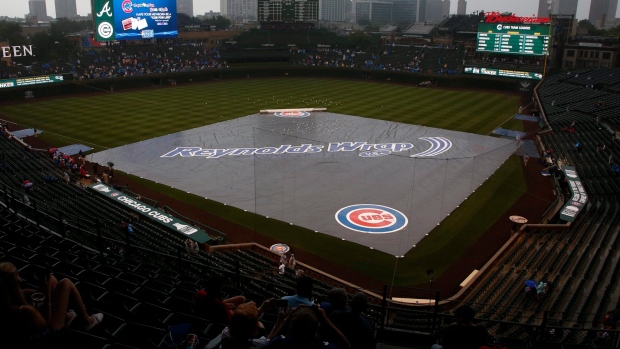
(372,219)
(280,248)
(292,114)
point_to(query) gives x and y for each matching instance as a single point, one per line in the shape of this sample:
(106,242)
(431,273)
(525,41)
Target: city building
(65,8)
(409,11)
(560,7)
(332,10)
(591,53)
(602,12)
(239,10)
(184,6)
(461,7)
(374,11)
(38,9)
(437,10)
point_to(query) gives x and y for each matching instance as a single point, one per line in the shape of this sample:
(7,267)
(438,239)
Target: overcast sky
(18,8)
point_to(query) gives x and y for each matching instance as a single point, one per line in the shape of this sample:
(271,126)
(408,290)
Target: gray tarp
(257,163)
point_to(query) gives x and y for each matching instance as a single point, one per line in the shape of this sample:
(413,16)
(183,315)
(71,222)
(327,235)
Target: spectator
(83,173)
(67,178)
(283,258)
(336,300)
(292,262)
(27,185)
(464,334)
(210,304)
(541,289)
(245,331)
(358,331)
(195,247)
(49,179)
(303,332)
(303,295)
(609,321)
(281,269)
(19,316)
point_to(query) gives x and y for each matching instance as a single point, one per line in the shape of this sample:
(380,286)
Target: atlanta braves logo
(105,9)
(292,114)
(372,219)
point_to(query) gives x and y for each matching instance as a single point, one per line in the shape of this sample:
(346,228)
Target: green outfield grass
(109,120)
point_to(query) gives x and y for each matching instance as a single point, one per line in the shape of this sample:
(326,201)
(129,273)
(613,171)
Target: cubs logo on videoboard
(292,114)
(372,219)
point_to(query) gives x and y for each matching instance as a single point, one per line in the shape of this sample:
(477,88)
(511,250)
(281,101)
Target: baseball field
(110,119)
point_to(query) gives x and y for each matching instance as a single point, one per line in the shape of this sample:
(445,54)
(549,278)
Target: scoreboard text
(289,11)
(521,39)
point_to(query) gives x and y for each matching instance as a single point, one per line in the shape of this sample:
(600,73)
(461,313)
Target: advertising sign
(579,198)
(504,73)
(134,20)
(152,213)
(32,80)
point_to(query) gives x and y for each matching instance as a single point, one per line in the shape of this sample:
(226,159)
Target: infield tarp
(304,170)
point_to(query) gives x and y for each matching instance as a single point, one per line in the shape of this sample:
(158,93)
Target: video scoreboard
(134,19)
(519,39)
(289,11)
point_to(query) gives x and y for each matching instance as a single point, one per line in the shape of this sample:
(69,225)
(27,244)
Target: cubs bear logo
(280,248)
(127,6)
(372,219)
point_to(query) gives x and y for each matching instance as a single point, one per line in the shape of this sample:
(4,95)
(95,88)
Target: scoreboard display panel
(134,19)
(519,39)
(288,10)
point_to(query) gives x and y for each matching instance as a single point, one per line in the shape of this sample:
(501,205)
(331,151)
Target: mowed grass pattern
(109,120)
(112,119)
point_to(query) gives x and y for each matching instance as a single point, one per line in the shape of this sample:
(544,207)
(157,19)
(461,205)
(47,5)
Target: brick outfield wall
(144,81)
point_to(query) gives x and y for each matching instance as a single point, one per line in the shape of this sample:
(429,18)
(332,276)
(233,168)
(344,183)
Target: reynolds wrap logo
(288,149)
(438,145)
